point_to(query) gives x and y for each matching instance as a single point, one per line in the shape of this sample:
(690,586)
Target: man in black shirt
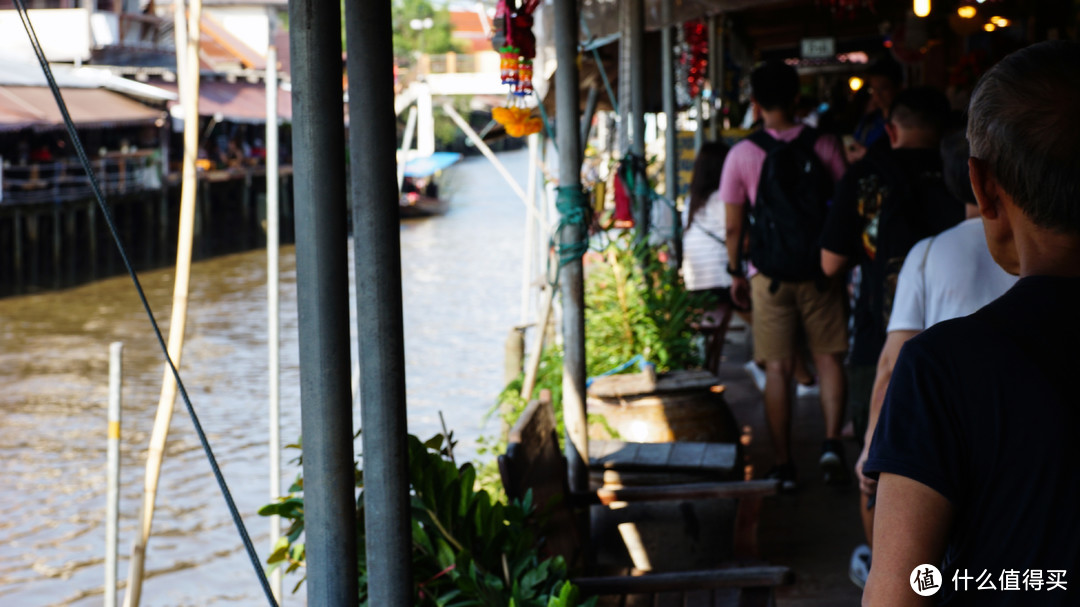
(885,203)
(977,446)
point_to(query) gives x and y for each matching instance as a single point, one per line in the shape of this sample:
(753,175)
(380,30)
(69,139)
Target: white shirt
(705,257)
(956,277)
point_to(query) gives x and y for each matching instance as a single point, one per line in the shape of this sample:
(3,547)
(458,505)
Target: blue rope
(638,360)
(573,205)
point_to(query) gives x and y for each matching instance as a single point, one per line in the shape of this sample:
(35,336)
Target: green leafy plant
(468,550)
(636,303)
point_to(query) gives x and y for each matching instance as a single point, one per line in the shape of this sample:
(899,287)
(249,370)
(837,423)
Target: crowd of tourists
(953,371)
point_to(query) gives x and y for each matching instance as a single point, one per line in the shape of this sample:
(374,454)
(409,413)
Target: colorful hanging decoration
(516,44)
(695,55)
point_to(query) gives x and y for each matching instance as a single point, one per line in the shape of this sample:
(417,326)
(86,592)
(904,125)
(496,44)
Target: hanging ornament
(517,49)
(509,58)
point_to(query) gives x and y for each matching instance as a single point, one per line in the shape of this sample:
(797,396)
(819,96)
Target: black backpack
(788,214)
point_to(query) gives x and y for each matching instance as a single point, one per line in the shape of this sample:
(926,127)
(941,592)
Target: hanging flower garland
(516,44)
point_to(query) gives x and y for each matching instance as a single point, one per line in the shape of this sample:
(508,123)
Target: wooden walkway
(815,530)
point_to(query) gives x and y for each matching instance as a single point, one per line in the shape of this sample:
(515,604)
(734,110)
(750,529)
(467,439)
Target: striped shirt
(705,257)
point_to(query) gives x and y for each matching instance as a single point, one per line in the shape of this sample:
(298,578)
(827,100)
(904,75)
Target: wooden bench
(613,462)
(534,462)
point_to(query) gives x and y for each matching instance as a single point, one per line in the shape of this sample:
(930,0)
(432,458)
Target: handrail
(65,180)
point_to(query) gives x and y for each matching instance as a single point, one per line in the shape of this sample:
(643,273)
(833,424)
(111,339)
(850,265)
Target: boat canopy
(425,166)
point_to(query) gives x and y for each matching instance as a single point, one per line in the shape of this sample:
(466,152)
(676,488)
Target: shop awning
(243,102)
(33,107)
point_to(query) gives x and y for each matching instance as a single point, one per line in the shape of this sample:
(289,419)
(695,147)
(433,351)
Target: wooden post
(18,252)
(57,247)
(72,245)
(91,232)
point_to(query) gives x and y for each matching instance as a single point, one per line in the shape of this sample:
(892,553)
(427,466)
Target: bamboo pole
(486,151)
(188,57)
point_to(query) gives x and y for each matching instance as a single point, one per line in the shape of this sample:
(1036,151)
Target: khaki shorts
(779,316)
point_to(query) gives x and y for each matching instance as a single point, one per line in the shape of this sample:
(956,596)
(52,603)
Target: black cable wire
(77,144)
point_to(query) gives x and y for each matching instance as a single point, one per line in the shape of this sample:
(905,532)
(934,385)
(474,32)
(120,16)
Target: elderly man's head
(1024,127)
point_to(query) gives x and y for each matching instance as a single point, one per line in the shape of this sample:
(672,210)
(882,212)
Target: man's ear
(890,130)
(985,188)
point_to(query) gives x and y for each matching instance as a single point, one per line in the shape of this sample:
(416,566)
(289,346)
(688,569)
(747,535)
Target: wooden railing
(63,180)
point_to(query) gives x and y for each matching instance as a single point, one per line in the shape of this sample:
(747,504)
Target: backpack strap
(764,140)
(807,138)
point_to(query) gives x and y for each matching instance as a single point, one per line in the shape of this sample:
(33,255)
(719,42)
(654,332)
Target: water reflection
(461,276)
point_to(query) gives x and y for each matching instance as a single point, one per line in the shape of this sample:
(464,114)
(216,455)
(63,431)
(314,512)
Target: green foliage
(468,550)
(637,304)
(434,40)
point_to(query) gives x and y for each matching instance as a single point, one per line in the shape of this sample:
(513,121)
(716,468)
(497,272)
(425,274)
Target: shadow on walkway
(814,530)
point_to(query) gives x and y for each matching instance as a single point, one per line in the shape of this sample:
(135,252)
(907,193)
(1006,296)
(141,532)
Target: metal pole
(667,64)
(530,230)
(713,71)
(572,287)
(112,501)
(718,87)
(322,287)
(406,143)
(637,115)
(380,327)
(273,269)
(699,133)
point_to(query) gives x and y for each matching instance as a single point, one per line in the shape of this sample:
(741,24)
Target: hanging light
(966,12)
(1000,21)
(922,8)
(855,83)
(989,27)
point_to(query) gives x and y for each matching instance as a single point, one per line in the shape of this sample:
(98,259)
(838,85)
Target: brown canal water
(461,287)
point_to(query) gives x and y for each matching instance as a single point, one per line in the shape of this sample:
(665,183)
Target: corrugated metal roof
(237,101)
(34,107)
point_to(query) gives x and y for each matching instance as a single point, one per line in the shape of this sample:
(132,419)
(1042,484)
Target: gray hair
(1024,123)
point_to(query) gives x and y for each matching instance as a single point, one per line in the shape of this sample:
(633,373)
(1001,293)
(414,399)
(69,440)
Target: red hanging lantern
(696,56)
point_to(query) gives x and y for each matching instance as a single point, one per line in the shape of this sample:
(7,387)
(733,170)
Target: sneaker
(859,569)
(757,374)
(833,464)
(785,473)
